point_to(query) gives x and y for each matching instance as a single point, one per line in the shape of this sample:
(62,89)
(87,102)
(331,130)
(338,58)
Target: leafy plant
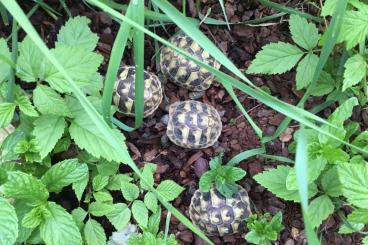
(263,229)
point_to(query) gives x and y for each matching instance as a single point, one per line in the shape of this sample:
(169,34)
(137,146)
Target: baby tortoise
(217,215)
(192,124)
(184,72)
(124,91)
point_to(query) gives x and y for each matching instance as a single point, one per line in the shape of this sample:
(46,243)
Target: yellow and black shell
(217,215)
(124,91)
(193,124)
(184,72)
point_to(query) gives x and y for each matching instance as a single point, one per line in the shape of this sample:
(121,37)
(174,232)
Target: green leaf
(6,114)
(59,228)
(355,71)
(365,240)
(34,217)
(63,174)
(100,208)
(49,102)
(99,182)
(107,168)
(354,227)
(79,215)
(4,54)
(330,184)
(329,7)
(120,216)
(305,71)
(130,191)
(148,176)
(102,196)
(94,234)
(140,213)
(227,189)
(357,21)
(169,190)
(117,180)
(80,185)
(254,238)
(62,145)
(26,106)
(359,216)
(303,33)
(275,58)
(361,140)
(76,32)
(151,201)
(319,209)
(25,187)
(206,180)
(21,210)
(354,181)
(31,62)
(324,85)
(154,221)
(48,129)
(8,222)
(235,174)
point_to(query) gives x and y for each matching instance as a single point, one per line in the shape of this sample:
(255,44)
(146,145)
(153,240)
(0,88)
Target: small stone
(200,166)
(186,236)
(289,242)
(105,19)
(255,168)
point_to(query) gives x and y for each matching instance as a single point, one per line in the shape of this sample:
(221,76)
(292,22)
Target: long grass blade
(14,55)
(245,155)
(4,15)
(224,12)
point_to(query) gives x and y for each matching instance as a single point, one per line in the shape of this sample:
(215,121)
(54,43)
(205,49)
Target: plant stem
(11,82)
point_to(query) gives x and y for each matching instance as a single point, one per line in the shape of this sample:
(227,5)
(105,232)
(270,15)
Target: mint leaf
(8,223)
(25,187)
(59,228)
(76,32)
(99,209)
(4,54)
(120,216)
(34,217)
(48,101)
(234,174)
(80,185)
(305,71)
(151,201)
(99,182)
(30,63)
(79,215)
(206,180)
(63,174)
(225,188)
(354,181)
(26,106)
(355,71)
(319,209)
(94,234)
(107,168)
(140,213)
(361,141)
(169,190)
(275,58)
(130,191)
(116,181)
(359,216)
(102,196)
(6,113)
(330,184)
(48,129)
(303,33)
(357,21)
(23,232)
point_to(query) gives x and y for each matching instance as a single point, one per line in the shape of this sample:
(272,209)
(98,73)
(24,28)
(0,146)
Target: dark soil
(185,166)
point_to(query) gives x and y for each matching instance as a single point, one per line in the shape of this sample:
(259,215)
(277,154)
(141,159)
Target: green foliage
(355,71)
(4,55)
(169,190)
(263,229)
(319,209)
(8,223)
(94,233)
(6,113)
(357,21)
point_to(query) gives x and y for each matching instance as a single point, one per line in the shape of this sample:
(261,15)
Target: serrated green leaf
(206,181)
(48,101)
(355,71)
(140,213)
(151,201)
(235,174)
(120,216)
(330,184)
(4,66)
(63,174)
(59,228)
(275,58)
(107,168)
(102,196)
(26,106)
(48,129)
(303,33)
(116,181)
(148,177)
(34,217)
(76,32)
(99,209)
(25,187)
(62,145)
(6,113)
(99,182)
(319,209)
(8,223)
(169,190)
(329,7)
(354,227)
(80,186)
(324,85)
(305,71)
(79,215)
(94,234)
(130,191)
(23,232)
(154,222)
(359,216)
(357,21)
(365,240)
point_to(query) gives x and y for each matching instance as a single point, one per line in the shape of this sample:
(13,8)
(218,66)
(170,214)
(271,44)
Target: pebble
(186,236)
(105,19)
(200,166)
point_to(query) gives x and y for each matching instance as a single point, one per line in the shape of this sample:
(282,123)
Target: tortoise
(184,72)
(217,215)
(193,124)
(124,91)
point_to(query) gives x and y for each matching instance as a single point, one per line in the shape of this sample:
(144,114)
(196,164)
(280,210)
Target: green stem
(364,80)
(184,6)
(11,82)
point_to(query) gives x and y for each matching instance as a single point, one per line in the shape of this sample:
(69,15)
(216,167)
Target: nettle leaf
(305,71)
(63,174)
(103,196)
(59,228)
(329,7)
(80,185)
(303,33)
(169,190)
(148,177)
(130,191)
(324,85)
(154,222)
(26,106)
(354,181)
(8,223)
(25,187)
(357,21)
(48,129)
(79,215)
(94,234)
(275,58)
(76,32)
(359,216)
(4,54)
(107,168)
(151,201)
(140,213)
(361,140)
(330,183)
(99,209)
(99,182)
(119,217)
(275,181)
(116,181)
(319,209)
(49,102)
(31,62)
(62,145)
(6,113)
(355,71)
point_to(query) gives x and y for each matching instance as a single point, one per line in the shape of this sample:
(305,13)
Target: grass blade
(245,155)
(224,11)
(14,55)
(4,15)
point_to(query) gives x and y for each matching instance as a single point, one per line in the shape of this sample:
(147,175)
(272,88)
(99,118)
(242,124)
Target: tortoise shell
(217,215)
(124,91)
(184,72)
(193,124)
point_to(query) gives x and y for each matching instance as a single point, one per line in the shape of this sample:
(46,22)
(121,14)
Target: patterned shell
(184,72)
(217,215)
(124,91)
(193,124)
